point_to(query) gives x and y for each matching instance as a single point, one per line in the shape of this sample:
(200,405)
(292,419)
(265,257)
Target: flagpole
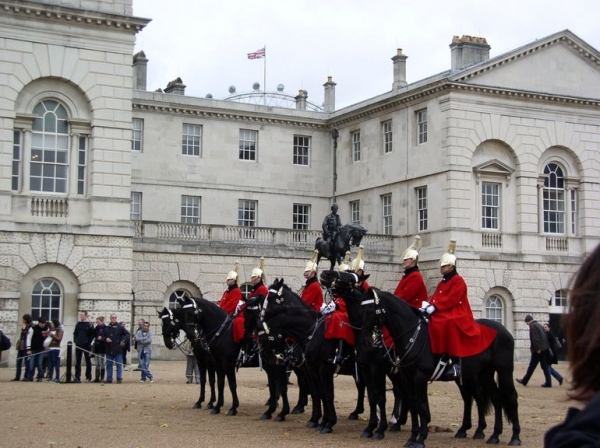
(265,77)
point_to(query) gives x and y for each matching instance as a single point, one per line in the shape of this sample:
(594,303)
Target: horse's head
(171,325)
(192,316)
(356,234)
(342,280)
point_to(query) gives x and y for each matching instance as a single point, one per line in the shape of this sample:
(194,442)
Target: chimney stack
(399,70)
(140,71)
(176,87)
(329,103)
(467,51)
(301,99)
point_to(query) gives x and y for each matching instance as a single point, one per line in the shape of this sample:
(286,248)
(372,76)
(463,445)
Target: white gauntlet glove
(238,307)
(427,308)
(328,309)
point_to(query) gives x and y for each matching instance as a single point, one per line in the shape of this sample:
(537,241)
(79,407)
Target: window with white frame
(490,205)
(135,212)
(246,289)
(247,216)
(81,164)
(356,146)
(301,221)
(137,134)
(46,299)
(301,150)
(355,212)
(190,209)
(16,160)
(422,126)
(386,129)
(494,309)
(176,296)
(422,208)
(248,144)
(554,199)
(49,148)
(386,206)
(574,210)
(191,140)
(560,297)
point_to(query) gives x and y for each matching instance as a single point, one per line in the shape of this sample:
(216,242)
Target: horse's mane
(208,306)
(395,304)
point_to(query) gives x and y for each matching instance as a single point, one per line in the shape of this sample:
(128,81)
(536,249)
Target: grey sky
(206,42)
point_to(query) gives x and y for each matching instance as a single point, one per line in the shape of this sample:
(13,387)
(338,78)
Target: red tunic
(228,302)
(313,294)
(452,328)
(365,285)
(337,324)
(411,287)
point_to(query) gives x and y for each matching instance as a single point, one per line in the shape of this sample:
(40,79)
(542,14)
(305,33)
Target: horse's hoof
(320,428)
(297,411)
(280,418)
(232,412)
(366,435)
(210,406)
(417,445)
(326,430)
(215,411)
(197,406)
(378,436)
(479,435)
(515,442)
(460,435)
(493,440)
(353,416)
(311,425)
(265,416)
(396,427)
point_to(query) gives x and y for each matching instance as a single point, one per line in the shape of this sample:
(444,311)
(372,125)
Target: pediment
(493,168)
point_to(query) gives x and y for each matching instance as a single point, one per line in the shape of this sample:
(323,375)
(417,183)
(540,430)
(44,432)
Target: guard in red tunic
(312,293)
(358,266)
(257,278)
(412,288)
(452,329)
(232,301)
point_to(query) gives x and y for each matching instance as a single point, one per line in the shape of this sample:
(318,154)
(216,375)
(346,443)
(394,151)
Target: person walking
(553,354)
(143,339)
(83,335)
(581,428)
(539,352)
(22,346)
(114,339)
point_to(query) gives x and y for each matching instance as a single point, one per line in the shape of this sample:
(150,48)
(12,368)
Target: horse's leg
(272,384)
(231,379)
(210,367)
(400,410)
(423,409)
(367,378)
(220,390)
(482,399)
(282,390)
(329,415)
(303,392)
(360,399)
(467,424)
(380,396)
(317,411)
(510,401)
(202,380)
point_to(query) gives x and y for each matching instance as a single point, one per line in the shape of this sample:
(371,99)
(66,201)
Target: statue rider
(331,226)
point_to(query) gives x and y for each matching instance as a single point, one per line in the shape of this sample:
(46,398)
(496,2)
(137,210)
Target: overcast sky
(206,42)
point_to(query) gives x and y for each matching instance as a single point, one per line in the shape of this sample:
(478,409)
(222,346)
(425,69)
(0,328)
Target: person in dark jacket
(83,335)
(114,339)
(38,351)
(580,428)
(99,349)
(127,346)
(539,352)
(22,346)
(553,354)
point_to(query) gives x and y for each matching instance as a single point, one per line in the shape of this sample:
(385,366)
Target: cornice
(77,16)
(227,115)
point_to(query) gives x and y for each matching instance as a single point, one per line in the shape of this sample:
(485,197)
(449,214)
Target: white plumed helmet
(413,251)
(233,275)
(449,258)
(311,265)
(345,263)
(260,270)
(359,262)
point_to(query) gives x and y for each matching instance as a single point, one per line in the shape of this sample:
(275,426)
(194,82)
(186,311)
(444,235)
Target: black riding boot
(97,376)
(102,372)
(453,370)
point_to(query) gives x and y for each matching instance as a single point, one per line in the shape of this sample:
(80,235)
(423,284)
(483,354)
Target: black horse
(172,324)
(348,235)
(409,330)
(286,317)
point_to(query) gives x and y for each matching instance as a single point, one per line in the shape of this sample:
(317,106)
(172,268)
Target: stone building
(117,198)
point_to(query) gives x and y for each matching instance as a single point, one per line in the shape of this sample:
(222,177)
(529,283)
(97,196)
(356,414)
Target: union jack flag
(258,54)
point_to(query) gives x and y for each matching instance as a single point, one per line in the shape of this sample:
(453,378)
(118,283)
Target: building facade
(116,198)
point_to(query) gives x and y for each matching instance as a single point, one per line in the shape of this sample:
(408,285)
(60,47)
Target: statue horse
(172,324)
(409,330)
(348,235)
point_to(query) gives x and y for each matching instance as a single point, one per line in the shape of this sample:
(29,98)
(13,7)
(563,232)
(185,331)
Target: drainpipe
(334,135)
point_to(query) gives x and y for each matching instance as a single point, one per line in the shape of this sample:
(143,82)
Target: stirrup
(439,370)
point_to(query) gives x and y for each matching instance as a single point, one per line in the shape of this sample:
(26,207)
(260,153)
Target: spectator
(56,334)
(191,368)
(37,350)
(144,349)
(83,336)
(581,428)
(22,346)
(99,350)
(539,352)
(114,339)
(139,327)
(127,346)
(553,354)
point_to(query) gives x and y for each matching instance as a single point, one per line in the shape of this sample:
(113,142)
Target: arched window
(49,148)
(175,295)
(554,199)
(494,309)
(46,299)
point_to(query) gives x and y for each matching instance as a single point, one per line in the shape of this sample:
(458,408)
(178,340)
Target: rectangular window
(16,161)
(301,150)
(560,297)
(248,144)
(81,164)
(190,209)
(49,160)
(422,126)
(574,212)
(386,129)
(190,140)
(490,206)
(422,208)
(301,221)
(355,212)
(386,206)
(247,216)
(554,210)
(137,135)
(135,211)
(356,146)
